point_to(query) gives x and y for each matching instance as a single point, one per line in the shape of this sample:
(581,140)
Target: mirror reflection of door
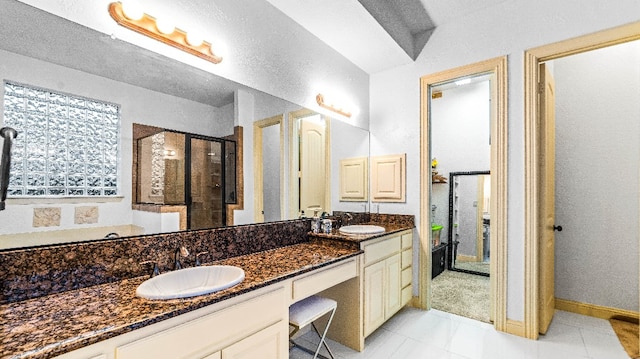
(312,163)
(268,142)
(310,156)
(206,184)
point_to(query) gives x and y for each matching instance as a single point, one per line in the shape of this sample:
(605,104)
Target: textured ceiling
(377,35)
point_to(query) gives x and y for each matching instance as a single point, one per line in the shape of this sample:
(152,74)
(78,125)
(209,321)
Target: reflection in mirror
(268,169)
(205,204)
(310,155)
(160,172)
(155,91)
(175,168)
(470,221)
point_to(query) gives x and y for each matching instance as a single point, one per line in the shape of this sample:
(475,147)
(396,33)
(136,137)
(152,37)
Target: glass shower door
(206,182)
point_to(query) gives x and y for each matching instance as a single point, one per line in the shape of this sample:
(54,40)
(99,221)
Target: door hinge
(540,87)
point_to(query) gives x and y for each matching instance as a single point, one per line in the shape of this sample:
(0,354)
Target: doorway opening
(495,70)
(540,223)
(268,169)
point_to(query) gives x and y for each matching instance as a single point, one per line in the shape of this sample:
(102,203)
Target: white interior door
(312,175)
(546,221)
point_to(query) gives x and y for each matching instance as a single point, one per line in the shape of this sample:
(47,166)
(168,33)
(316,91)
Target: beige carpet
(627,333)
(463,294)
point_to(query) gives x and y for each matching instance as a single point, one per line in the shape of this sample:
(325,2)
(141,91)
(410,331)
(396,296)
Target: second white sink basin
(361,229)
(190,282)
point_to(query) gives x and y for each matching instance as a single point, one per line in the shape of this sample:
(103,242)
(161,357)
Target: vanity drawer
(210,332)
(380,250)
(406,294)
(407,240)
(406,277)
(407,258)
(323,279)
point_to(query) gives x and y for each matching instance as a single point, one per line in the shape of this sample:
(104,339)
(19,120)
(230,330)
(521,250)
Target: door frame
(533,57)
(258,170)
(498,68)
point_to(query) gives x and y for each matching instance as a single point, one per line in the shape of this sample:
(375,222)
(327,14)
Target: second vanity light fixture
(322,102)
(133,18)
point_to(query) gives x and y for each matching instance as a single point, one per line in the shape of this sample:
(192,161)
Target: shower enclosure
(175,168)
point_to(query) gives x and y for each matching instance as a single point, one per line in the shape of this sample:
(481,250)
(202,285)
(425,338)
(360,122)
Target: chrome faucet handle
(156,270)
(198,257)
(349,217)
(180,251)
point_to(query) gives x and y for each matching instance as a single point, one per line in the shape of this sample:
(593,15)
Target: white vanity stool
(305,312)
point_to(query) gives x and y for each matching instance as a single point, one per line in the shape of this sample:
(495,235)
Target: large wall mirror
(470,221)
(157,91)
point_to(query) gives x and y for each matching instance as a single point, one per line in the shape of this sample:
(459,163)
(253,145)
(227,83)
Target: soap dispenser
(315,222)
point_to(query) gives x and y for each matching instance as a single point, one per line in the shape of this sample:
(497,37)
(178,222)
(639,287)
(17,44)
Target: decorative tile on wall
(46,217)
(86,215)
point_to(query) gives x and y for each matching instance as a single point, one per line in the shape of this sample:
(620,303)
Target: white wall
(508,28)
(597,169)
(137,105)
(460,129)
(347,141)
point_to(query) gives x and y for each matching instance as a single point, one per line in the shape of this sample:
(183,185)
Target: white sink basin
(190,282)
(361,229)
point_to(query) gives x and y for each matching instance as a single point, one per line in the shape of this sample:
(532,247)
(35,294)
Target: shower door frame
(187,177)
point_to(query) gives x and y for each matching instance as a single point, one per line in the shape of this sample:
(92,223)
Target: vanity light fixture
(330,106)
(133,18)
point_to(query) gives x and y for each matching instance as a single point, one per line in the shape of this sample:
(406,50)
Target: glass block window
(67,146)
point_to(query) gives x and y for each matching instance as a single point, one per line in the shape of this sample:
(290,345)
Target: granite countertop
(55,324)
(390,228)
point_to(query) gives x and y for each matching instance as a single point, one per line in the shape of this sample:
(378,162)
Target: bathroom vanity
(108,321)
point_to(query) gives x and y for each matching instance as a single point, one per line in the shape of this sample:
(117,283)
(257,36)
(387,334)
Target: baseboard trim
(515,327)
(593,310)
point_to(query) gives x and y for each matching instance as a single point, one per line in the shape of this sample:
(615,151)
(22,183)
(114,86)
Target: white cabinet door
(268,343)
(393,280)
(374,303)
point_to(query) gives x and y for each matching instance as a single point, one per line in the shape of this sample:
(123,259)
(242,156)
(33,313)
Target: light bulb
(132,10)
(165,26)
(194,38)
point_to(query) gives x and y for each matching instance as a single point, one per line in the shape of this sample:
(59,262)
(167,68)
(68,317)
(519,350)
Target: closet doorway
(493,75)
(588,282)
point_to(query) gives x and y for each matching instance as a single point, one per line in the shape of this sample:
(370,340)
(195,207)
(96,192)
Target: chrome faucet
(180,252)
(8,134)
(156,270)
(349,217)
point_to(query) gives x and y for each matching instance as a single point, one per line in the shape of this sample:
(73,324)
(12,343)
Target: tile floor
(413,333)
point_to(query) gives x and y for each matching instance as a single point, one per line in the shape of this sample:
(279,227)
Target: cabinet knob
(557,228)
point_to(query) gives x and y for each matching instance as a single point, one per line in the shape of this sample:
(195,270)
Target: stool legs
(322,336)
